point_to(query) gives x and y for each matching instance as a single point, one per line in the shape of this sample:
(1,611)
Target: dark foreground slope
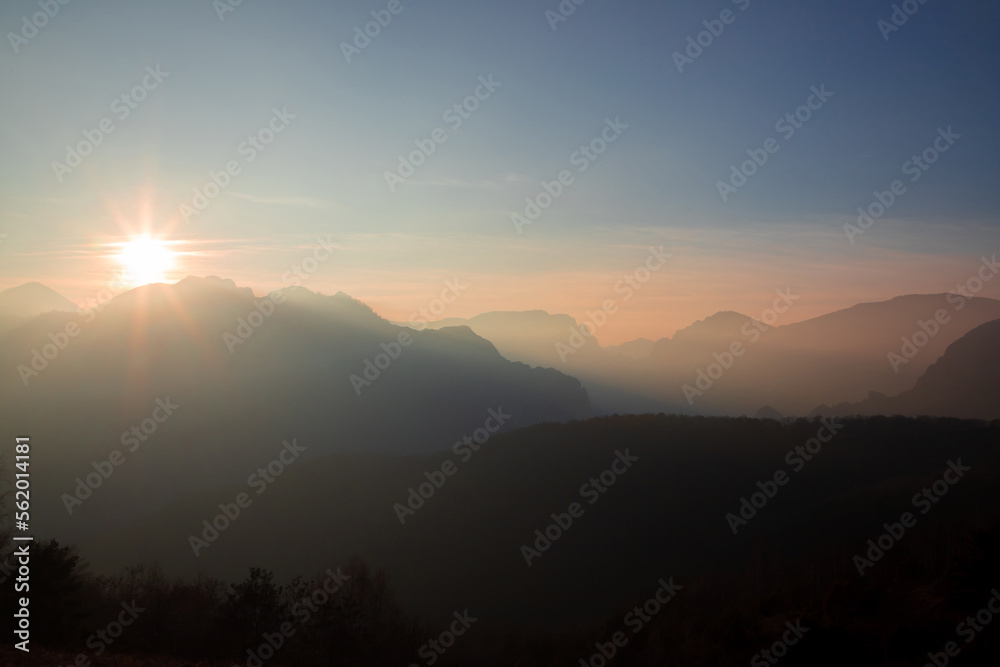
(670,512)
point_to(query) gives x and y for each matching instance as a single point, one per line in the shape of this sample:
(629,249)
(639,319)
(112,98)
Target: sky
(665,119)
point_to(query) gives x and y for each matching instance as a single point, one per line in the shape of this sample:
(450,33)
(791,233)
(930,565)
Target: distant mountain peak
(721,323)
(767,412)
(725,316)
(213,281)
(640,348)
(32,299)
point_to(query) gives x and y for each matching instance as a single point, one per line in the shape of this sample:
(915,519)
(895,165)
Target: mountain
(841,356)
(767,412)
(838,357)
(538,338)
(963,383)
(846,354)
(33,299)
(701,339)
(247,374)
(640,348)
(25,301)
(528,336)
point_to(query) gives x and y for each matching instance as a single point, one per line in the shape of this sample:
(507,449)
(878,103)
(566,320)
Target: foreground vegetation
(794,564)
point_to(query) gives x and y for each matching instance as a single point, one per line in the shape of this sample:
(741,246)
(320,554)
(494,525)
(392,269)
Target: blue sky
(657,184)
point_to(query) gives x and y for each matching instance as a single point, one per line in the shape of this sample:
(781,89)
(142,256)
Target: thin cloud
(308,202)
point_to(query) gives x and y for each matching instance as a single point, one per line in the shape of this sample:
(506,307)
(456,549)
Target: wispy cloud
(308,202)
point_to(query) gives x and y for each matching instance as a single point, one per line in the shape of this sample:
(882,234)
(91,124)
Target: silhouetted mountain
(767,412)
(715,330)
(701,339)
(846,353)
(640,348)
(248,374)
(841,356)
(33,299)
(556,341)
(20,303)
(528,336)
(794,367)
(963,383)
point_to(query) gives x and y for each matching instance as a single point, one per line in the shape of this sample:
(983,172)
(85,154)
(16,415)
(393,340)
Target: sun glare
(145,260)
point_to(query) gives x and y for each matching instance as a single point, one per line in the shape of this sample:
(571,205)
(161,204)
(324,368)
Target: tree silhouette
(255,605)
(57,577)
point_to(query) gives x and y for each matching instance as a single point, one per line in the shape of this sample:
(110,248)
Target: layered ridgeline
(613,379)
(731,363)
(200,383)
(26,301)
(964,383)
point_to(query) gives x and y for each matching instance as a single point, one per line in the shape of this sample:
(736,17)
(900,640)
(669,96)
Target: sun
(145,260)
